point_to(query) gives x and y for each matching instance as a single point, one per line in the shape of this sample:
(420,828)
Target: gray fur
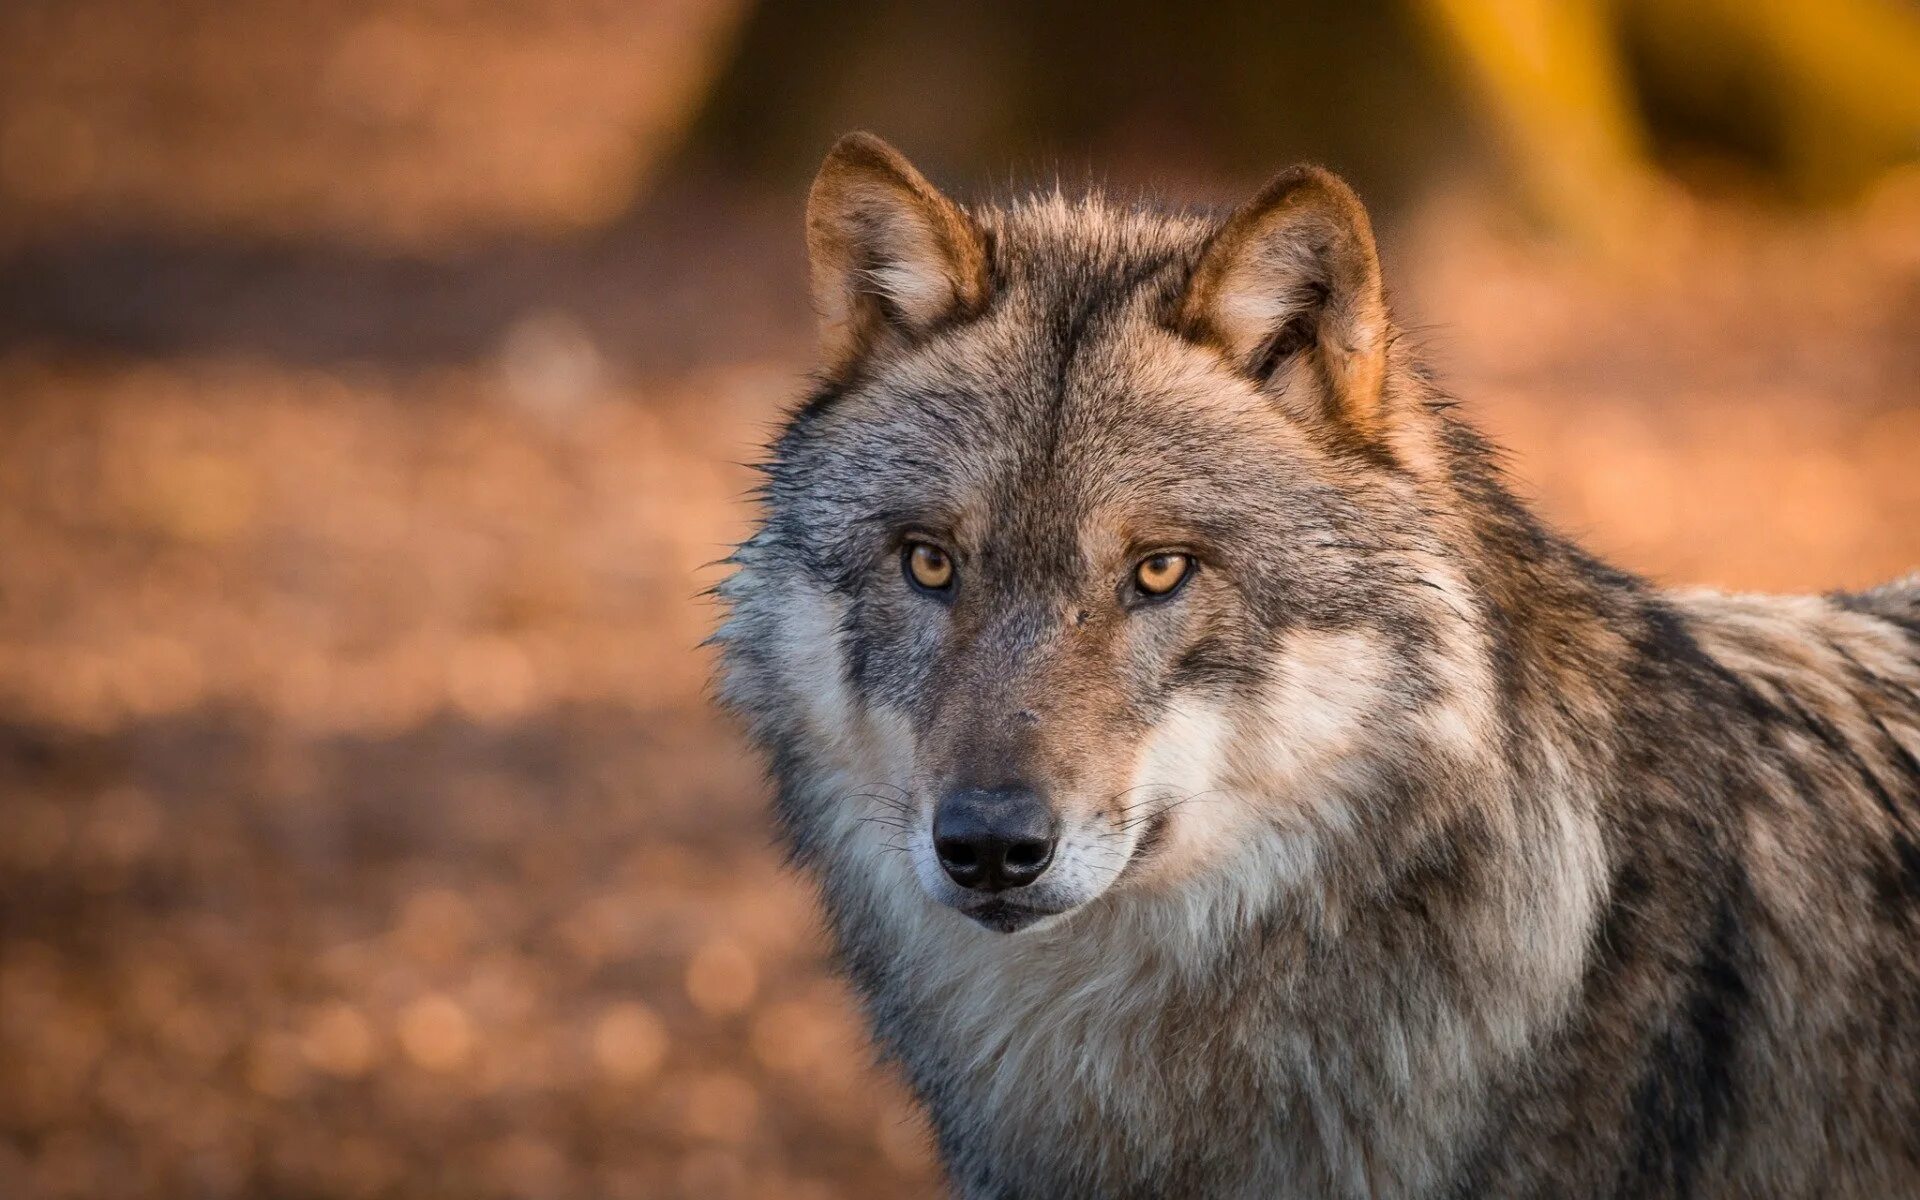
(1410,852)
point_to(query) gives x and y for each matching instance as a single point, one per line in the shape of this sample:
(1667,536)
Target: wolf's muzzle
(992,839)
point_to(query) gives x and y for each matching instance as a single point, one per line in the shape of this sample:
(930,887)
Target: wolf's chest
(1084,1083)
(1078,1062)
(1091,1061)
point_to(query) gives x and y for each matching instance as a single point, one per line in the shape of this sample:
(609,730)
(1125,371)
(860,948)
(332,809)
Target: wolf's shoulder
(1897,601)
(1821,639)
(1844,666)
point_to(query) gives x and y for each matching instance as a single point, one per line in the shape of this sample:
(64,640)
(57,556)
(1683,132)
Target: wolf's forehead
(1069,404)
(1098,437)
(1060,263)
(1051,237)
(1072,392)
(1075,414)
(1082,299)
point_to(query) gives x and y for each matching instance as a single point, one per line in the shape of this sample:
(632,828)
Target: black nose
(993,839)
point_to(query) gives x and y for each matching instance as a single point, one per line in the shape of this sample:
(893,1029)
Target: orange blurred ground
(369,834)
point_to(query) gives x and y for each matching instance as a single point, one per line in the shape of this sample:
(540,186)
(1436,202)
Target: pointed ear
(1289,289)
(891,258)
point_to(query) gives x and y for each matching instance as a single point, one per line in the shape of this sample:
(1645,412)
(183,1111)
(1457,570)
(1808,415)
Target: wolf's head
(1106,551)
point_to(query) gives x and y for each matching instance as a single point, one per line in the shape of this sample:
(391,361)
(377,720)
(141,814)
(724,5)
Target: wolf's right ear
(889,255)
(1289,289)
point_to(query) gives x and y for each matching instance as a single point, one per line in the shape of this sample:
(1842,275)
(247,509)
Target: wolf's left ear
(890,256)
(1289,289)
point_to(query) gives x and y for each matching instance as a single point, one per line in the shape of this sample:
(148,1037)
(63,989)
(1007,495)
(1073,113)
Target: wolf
(1219,784)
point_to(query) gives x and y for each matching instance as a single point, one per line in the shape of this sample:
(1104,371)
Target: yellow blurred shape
(1548,76)
(436,1033)
(629,1042)
(1841,76)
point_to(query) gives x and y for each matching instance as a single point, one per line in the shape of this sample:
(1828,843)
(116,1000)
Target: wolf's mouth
(1003,917)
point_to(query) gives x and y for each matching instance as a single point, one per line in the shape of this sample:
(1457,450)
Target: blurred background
(373,376)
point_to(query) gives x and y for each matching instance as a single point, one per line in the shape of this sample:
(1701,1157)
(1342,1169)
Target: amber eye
(1159,574)
(928,566)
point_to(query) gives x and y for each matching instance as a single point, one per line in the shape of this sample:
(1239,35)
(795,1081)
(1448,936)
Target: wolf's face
(1088,540)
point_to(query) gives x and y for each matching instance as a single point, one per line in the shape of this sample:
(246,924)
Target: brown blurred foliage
(413,124)
(365,425)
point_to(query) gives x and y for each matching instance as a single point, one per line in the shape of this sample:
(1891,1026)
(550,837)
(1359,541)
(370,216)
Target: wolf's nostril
(1026,854)
(957,853)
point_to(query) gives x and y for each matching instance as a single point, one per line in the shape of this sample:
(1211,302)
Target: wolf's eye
(928,567)
(1160,574)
